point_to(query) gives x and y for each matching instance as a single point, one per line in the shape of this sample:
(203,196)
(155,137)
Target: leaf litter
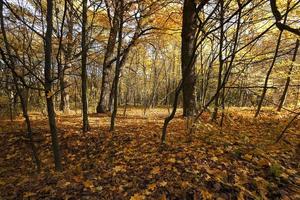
(239,161)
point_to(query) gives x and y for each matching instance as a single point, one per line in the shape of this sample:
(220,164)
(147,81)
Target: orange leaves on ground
(137,197)
(155,170)
(239,160)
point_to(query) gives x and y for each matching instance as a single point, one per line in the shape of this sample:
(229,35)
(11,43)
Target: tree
(48,86)
(221,61)
(288,79)
(103,104)
(188,43)
(262,97)
(120,9)
(10,62)
(84,47)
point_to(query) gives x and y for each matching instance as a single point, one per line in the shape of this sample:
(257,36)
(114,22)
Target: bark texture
(188,36)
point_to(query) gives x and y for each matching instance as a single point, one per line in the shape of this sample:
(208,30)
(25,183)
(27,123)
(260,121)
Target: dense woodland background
(220,63)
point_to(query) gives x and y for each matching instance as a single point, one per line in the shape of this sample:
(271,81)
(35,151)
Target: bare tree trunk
(206,83)
(111,96)
(221,61)
(188,43)
(103,105)
(60,67)
(288,79)
(75,100)
(144,89)
(126,100)
(84,47)
(23,100)
(270,69)
(28,124)
(189,32)
(68,64)
(48,85)
(120,10)
(171,116)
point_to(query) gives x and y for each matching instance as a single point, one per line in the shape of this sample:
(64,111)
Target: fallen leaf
(155,170)
(77,179)
(152,186)
(163,183)
(206,194)
(88,184)
(99,188)
(137,197)
(263,163)
(185,184)
(248,157)
(214,159)
(29,194)
(119,168)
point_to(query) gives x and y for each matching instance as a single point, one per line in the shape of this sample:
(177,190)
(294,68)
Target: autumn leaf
(29,194)
(151,186)
(206,194)
(185,184)
(163,183)
(214,159)
(77,179)
(247,157)
(119,168)
(263,162)
(172,160)
(88,184)
(63,183)
(137,197)
(155,170)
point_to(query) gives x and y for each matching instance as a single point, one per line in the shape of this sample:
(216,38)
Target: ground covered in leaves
(239,161)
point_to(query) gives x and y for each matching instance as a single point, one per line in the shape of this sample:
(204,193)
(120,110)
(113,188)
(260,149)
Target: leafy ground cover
(238,161)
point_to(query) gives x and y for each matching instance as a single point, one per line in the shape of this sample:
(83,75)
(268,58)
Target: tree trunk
(59,59)
(221,61)
(28,124)
(118,65)
(65,80)
(188,43)
(288,79)
(48,85)
(84,47)
(264,92)
(23,99)
(103,105)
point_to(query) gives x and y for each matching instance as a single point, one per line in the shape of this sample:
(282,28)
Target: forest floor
(240,161)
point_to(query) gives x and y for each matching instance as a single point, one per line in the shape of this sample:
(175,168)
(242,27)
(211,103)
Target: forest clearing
(241,161)
(150,99)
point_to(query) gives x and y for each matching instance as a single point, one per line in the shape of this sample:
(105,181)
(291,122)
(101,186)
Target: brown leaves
(119,168)
(29,194)
(88,184)
(155,170)
(137,197)
(247,157)
(237,161)
(152,186)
